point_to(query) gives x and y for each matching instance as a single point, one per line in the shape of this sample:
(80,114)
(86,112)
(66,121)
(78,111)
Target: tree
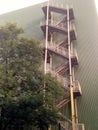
(23,102)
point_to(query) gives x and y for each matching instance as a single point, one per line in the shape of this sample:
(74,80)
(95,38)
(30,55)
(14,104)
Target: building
(86,23)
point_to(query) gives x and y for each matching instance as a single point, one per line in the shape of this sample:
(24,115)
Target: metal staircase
(60,28)
(63,68)
(63,49)
(62,52)
(58,8)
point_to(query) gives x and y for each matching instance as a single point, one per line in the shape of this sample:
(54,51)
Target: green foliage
(22,100)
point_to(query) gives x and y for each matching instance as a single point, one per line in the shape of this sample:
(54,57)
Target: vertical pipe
(75,100)
(50,55)
(46,40)
(76,111)
(69,45)
(50,62)
(70,71)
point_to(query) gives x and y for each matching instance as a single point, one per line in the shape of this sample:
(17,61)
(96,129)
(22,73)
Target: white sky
(96,2)
(11,5)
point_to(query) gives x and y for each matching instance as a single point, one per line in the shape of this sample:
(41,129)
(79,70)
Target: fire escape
(60,34)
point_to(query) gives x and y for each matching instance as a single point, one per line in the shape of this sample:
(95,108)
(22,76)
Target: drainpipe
(46,40)
(70,71)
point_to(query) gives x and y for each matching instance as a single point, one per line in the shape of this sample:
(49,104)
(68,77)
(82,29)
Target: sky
(11,5)
(96,3)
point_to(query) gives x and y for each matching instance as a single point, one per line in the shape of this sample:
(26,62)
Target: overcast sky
(11,5)
(96,2)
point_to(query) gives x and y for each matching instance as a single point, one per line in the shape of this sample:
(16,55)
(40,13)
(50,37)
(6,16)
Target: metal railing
(74,54)
(60,25)
(66,125)
(54,24)
(62,66)
(79,127)
(61,50)
(64,81)
(57,5)
(77,87)
(72,28)
(54,43)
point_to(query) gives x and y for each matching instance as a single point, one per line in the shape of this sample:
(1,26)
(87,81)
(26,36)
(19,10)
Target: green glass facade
(86,23)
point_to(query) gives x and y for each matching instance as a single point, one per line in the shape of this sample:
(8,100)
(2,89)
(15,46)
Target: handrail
(56,43)
(76,86)
(60,25)
(61,19)
(61,79)
(79,126)
(74,54)
(66,125)
(60,50)
(72,27)
(60,42)
(61,67)
(55,24)
(57,5)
